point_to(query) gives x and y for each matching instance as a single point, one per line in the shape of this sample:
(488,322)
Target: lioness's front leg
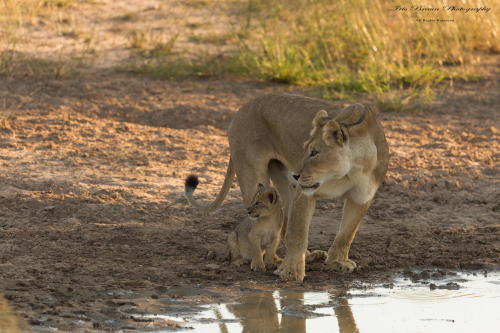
(338,254)
(293,265)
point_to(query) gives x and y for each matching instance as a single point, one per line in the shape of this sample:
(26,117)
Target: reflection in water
(257,312)
(345,317)
(459,303)
(8,322)
(292,300)
(260,312)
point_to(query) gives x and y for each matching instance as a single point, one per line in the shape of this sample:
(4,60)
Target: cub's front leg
(270,258)
(256,253)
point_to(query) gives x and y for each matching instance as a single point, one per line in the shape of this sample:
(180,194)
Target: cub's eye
(313,153)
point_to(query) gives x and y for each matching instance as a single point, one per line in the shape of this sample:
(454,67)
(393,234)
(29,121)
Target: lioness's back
(279,124)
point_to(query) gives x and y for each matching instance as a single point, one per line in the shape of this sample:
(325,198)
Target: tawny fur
(287,130)
(257,237)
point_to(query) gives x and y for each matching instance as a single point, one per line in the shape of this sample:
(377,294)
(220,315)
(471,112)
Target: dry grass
(16,16)
(344,47)
(151,43)
(364,45)
(336,48)
(8,322)
(212,38)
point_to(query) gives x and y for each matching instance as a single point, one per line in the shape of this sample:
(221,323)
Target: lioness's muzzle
(313,186)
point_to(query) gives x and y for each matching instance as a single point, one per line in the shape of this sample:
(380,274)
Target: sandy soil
(100,33)
(91,194)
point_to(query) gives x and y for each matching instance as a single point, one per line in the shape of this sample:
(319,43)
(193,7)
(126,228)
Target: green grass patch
(360,46)
(211,38)
(176,67)
(338,48)
(16,63)
(149,44)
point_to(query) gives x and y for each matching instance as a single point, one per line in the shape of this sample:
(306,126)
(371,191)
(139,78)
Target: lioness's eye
(313,153)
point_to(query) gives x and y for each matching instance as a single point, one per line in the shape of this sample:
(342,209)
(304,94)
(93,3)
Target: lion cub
(257,237)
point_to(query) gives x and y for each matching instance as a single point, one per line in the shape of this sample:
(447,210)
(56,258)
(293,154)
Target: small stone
(212,266)
(34,322)
(211,255)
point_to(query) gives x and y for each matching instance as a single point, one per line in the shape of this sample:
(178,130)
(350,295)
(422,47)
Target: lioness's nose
(296,176)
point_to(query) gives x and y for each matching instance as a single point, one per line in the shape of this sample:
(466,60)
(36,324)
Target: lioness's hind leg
(338,254)
(279,176)
(250,174)
(233,250)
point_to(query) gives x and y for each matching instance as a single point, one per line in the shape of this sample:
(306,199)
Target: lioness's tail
(192,182)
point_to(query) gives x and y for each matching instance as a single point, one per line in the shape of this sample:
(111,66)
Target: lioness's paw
(291,270)
(258,266)
(344,266)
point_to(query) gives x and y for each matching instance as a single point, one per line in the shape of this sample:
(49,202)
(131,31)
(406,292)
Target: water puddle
(457,303)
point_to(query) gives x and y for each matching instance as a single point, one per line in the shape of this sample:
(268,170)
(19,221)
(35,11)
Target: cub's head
(264,202)
(327,153)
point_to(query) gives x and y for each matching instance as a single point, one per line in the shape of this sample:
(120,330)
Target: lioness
(257,237)
(332,152)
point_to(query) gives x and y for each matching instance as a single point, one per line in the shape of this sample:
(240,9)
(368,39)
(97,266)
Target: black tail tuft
(191,183)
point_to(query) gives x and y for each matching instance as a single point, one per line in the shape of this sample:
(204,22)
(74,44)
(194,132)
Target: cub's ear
(334,133)
(273,197)
(260,187)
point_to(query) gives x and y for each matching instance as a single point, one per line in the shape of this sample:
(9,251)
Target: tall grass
(362,45)
(338,46)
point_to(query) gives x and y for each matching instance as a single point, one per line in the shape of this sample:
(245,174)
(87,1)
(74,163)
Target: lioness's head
(264,202)
(327,153)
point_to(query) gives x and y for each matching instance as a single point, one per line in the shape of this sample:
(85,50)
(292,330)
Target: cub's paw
(316,255)
(258,266)
(273,263)
(238,262)
(292,269)
(344,266)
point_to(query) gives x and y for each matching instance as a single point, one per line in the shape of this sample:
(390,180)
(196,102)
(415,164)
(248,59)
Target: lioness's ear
(319,120)
(352,115)
(260,187)
(345,135)
(273,197)
(333,133)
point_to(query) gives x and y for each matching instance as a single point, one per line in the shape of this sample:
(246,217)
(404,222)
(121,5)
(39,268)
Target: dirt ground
(92,206)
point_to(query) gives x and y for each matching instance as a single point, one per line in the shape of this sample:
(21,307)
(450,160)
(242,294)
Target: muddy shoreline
(185,306)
